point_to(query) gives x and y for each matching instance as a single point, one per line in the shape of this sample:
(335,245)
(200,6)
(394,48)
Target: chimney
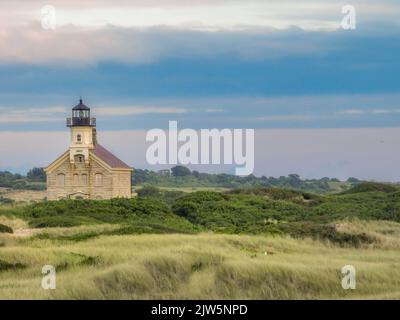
(94,135)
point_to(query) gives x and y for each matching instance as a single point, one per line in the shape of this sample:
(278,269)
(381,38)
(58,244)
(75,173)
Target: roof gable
(59,161)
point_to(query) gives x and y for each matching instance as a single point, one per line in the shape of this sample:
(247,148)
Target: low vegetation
(182,177)
(203,266)
(259,210)
(249,243)
(5,229)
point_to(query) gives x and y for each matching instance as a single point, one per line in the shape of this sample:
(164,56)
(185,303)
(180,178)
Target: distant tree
(353,180)
(180,171)
(165,172)
(148,191)
(294,180)
(36,174)
(140,176)
(7,179)
(196,174)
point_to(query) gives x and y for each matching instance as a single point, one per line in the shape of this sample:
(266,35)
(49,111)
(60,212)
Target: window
(79,158)
(98,179)
(61,180)
(84,179)
(79,138)
(76,179)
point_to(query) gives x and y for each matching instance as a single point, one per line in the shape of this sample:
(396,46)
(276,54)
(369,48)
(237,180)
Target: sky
(324,101)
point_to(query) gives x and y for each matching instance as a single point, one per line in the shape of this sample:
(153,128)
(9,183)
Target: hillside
(251,210)
(252,243)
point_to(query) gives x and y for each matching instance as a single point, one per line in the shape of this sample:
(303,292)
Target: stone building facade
(87,170)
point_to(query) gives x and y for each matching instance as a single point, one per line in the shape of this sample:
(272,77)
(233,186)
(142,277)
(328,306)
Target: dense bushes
(145,214)
(101,210)
(59,221)
(269,210)
(258,210)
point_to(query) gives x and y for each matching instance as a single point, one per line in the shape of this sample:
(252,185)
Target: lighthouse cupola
(81,116)
(83,133)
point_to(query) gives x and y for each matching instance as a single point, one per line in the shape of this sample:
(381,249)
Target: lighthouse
(87,170)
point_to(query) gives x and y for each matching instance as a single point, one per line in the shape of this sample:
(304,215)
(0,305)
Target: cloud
(23,118)
(136,110)
(69,46)
(194,14)
(92,32)
(57,114)
(367,111)
(292,117)
(351,111)
(214,110)
(382,111)
(11,115)
(122,113)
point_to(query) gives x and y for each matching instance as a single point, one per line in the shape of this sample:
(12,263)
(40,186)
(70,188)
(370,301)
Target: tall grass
(203,266)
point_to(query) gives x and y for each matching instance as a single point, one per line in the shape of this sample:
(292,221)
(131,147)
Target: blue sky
(223,63)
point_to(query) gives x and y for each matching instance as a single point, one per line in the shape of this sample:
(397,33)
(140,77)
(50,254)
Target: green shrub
(52,222)
(149,191)
(372,187)
(5,229)
(325,232)
(4,265)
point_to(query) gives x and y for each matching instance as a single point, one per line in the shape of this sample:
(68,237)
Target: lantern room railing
(76,121)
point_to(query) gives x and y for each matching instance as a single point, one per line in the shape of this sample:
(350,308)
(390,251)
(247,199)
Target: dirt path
(24,233)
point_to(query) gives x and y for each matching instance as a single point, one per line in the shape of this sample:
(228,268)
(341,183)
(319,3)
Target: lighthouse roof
(108,157)
(81,106)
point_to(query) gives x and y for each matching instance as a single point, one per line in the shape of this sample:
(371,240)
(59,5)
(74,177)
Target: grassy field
(201,266)
(257,243)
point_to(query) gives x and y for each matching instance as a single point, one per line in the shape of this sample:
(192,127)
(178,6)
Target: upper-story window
(76,179)
(84,179)
(98,179)
(79,138)
(61,180)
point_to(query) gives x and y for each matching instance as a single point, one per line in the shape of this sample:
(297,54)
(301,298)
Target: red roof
(108,157)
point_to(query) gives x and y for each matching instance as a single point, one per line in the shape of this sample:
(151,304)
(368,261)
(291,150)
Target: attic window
(79,138)
(79,158)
